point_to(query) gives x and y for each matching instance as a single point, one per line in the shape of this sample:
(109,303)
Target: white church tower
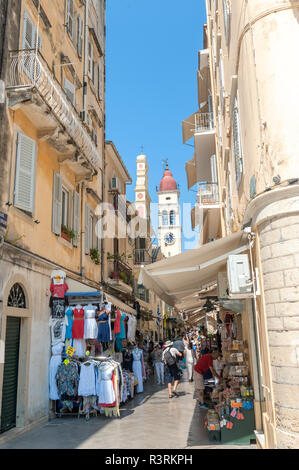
(170,228)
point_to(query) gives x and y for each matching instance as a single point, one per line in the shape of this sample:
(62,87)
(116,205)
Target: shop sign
(3,220)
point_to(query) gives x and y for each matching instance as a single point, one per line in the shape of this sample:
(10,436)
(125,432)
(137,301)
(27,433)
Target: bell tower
(170,229)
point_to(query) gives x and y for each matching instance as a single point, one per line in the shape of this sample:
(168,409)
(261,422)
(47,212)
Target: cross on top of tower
(165,162)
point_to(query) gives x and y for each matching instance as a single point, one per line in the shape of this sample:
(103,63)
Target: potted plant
(94,255)
(67,234)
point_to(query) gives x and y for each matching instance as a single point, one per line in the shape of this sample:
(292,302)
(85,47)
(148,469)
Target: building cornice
(276,202)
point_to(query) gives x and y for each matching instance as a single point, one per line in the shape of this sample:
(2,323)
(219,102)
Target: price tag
(87,353)
(70,351)
(66,362)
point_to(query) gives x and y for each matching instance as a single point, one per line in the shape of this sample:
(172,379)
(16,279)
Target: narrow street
(147,422)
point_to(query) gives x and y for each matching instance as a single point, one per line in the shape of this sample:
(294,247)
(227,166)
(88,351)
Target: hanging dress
(103,328)
(69,324)
(90,325)
(78,323)
(87,382)
(137,369)
(105,387)
(55,361)
(117,323)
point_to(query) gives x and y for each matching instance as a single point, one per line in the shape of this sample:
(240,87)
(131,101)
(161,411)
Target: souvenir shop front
(96,365)
(236,401)
(230,418)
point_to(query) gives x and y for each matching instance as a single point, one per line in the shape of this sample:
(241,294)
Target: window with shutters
(237,144)
(76,218)
(65,207)
(29,42)
(221,79)
(70,91)
(25,173)
(226,14)
(94,136)
(100,81)
(70,23)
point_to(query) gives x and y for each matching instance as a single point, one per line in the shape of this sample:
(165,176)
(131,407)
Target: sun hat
(168,343)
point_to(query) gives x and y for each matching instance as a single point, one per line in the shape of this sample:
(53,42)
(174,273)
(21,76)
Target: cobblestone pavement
(150,421)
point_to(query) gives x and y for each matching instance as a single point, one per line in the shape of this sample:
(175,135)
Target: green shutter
(57,204)
(10,375)
(25,173)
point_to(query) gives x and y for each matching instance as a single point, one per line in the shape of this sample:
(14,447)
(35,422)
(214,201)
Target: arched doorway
(13,369)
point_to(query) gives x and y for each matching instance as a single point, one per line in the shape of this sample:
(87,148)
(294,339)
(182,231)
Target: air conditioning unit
(239,278)
(222,285)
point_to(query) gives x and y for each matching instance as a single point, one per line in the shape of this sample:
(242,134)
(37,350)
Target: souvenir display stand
(230,418)
(87,332)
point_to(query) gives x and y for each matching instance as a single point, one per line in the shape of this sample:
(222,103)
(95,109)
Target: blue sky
(151,60)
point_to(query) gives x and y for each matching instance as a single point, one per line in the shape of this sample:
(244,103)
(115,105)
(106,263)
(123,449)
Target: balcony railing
(30,70)
(208,194)
(142,257)
(203,122)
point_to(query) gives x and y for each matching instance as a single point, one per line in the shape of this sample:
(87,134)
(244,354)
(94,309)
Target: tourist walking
(190,360)
(158,364)
(170,357)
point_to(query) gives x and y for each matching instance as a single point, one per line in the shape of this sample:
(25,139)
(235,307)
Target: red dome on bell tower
(168,183)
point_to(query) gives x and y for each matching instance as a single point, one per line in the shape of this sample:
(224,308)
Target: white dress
(87,382)
(80,347)
(105,389)
(131,329)
(90,324)
(54,363)
(137,369)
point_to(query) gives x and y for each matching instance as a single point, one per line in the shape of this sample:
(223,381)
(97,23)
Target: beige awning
(188,127)
(172,279)
(121,305)
(191,172)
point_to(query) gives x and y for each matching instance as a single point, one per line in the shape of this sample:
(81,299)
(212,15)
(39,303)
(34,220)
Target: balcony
(121,277)
(142,256)
(208,195)
(32,85)
(206,213)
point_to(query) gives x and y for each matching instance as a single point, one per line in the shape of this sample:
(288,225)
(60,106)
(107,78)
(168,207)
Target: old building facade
(248,102)
(52,179)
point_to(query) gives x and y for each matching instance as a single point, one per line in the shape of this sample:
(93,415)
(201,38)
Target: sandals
(175,394)
(170,396)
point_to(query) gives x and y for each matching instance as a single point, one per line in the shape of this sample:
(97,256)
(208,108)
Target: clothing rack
(84,298)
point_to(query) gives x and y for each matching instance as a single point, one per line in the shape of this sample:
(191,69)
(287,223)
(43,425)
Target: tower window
(172,217)
(165,218)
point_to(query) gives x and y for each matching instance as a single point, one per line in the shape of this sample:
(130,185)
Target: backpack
(170,360)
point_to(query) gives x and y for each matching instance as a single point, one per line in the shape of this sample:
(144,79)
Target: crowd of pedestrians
(169,359)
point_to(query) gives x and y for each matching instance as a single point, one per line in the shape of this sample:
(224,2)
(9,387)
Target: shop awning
(172,279)
(121,305)
(188,127)
(191,173)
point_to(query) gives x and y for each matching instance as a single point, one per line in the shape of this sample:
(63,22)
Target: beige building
(246,160)
(52,177)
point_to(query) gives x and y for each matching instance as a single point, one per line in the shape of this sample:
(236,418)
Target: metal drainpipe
(85,71)
(82,270)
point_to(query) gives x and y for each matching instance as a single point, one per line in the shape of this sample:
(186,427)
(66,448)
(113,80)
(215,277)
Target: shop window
(16,298)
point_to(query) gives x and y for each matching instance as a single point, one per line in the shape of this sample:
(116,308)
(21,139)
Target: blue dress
(69,327)
(103,328)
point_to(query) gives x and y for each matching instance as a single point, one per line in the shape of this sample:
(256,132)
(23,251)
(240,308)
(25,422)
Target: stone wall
(279,238)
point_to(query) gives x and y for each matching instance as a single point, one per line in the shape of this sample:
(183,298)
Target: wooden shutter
(90,61)
(98,235)
(87,230)
(28,32)
(80,36)
(76,217)
(100,81)
(25,173)
(70,91)
(70,18)
(57,204)
(237,143)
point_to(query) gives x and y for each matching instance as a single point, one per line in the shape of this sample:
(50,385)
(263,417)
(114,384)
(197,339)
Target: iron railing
(203,122)
(29,69)
(142,256)
(208,194)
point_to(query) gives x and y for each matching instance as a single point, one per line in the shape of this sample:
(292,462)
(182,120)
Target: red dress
(117,323)
(78,324)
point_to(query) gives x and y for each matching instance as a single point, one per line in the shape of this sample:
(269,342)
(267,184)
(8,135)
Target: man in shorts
(204,364)
(173,372)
